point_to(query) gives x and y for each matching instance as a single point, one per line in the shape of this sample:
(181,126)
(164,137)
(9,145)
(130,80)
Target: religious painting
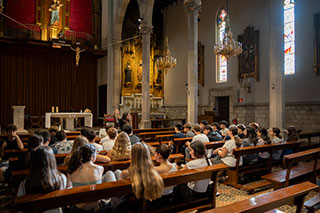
(249,58)
(201,64)
(316,19)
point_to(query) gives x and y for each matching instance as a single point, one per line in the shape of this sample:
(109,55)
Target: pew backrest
(67,197)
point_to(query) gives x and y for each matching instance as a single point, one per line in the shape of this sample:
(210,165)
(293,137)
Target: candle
(57,109)
(52,109)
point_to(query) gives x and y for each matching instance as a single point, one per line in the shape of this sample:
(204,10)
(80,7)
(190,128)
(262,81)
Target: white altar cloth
(69,117)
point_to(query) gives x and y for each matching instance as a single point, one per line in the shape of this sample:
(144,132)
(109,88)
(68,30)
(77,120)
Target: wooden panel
(41,77)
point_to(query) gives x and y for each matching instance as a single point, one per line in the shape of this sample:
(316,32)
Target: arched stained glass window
(221,61)
(289,37)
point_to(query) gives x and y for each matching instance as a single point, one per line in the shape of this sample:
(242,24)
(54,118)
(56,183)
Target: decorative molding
(145,29)
(192,7)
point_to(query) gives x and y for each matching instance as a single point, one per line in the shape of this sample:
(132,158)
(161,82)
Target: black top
(10,144)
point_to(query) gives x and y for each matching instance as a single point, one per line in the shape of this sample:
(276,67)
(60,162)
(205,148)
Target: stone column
(192,8)
(18,118)
(145,31)
(110,69)
(117,75)
(276,66)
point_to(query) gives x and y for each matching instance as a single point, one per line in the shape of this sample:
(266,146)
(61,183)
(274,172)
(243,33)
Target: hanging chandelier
(228,47)
(166,61)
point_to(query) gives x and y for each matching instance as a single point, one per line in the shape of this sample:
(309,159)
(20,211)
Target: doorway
(102,100)
(222,109)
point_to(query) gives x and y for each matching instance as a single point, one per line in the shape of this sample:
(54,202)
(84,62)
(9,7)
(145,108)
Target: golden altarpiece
(131,80)
(53,17)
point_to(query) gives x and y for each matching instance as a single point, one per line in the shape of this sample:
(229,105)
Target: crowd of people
(122,144)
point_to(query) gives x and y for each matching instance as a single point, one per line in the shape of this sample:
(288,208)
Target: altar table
(69,117)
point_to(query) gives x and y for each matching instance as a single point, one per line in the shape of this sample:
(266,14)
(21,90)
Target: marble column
(110,66)
(276,66)
(145,31)
(18,118)
(192,8)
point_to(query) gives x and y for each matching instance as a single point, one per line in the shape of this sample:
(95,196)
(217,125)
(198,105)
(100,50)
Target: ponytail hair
(264,135)
(234,132)
(81,156)
(277,131)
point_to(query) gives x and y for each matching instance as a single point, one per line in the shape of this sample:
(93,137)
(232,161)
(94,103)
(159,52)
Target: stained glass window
(221,61)
(289,37)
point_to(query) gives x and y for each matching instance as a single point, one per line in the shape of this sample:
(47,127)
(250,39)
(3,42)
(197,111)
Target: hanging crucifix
(78,51)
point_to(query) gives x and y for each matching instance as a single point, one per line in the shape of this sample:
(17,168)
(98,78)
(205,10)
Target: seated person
(250,140)
(275,138)
(178,134)
(187,129)
(77,143)
(109,142)
(198,137)
(44,176)
(142,173)
(106,138)
(34,142)
(53,131)
(225,153)
(133,138)
(263,138)
(254,125)
(162,154)
(12,141)
(213,136)
(241,129)
(190,191)
(223,128)
(82,171)
(46,137)
(62,145)
(91,136)
(203,123)
(121,149)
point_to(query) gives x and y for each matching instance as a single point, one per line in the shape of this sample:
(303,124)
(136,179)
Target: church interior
(160,105)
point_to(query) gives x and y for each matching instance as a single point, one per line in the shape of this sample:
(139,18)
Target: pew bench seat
(262,203)
(278,179)
(313,204)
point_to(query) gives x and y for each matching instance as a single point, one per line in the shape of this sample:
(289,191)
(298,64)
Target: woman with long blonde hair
(122,148)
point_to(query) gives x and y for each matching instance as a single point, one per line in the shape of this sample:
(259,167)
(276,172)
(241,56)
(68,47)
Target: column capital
(192,7)
(145,29)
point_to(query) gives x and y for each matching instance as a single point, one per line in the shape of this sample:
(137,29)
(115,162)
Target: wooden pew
(178,142)
(151,136)
(138,131)
(41,202)
(166,137)
(235,172)
(19,175)
(313,204)
(309,136)
(262,203)
(294,173)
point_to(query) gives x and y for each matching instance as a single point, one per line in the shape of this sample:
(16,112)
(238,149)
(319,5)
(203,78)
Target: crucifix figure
(78,51)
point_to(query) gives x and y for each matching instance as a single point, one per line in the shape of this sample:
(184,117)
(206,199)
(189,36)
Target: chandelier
(167,61)
(228,47)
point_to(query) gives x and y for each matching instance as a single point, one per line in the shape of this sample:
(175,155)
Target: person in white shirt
(188,192)
(91,136)
(223,128)
(225,153)
(198,137)
(108,144)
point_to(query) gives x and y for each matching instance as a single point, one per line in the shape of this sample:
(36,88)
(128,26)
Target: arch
(221,61)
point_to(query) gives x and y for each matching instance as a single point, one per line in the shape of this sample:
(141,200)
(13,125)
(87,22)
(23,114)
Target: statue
(54,9)
(159,77)
(127,72)
(139,73)
(78,51)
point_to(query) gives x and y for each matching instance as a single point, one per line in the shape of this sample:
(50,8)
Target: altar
(69,117)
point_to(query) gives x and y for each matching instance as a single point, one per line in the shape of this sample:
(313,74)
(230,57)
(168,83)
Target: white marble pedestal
(18,118)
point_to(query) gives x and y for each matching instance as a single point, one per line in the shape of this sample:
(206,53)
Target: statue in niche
(128,72)
(55,9)
(139,73)
(159,79)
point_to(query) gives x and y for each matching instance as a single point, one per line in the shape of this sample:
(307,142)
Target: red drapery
(22,11)
(81,16)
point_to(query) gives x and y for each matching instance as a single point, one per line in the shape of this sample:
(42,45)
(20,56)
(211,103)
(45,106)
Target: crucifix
(78,51)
